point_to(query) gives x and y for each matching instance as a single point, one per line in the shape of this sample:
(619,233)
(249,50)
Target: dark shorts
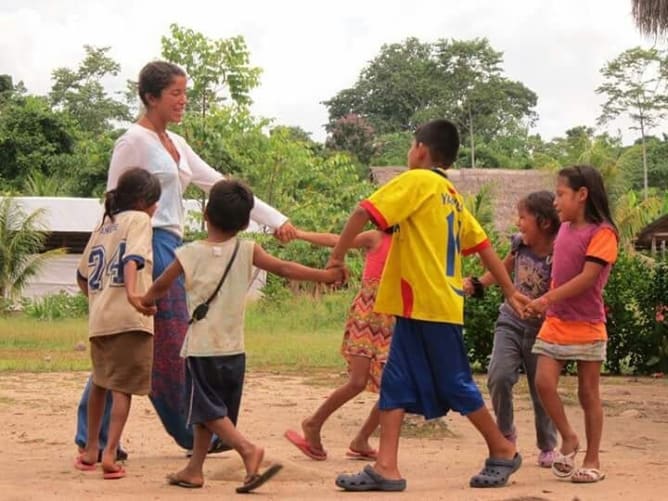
(213,387)
(427,371)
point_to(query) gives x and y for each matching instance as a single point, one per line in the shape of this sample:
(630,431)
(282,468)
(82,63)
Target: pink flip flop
(81,465)
(370,455)
(114,475)
(300,442)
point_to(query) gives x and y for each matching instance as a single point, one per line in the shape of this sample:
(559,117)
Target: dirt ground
(38,417)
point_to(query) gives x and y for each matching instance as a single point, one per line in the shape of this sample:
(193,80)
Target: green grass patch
(288,336)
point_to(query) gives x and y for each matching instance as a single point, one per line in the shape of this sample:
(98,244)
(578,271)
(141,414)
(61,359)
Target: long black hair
(137,189)
(597,208)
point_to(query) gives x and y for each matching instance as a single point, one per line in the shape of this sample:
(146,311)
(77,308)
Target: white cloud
(311,50)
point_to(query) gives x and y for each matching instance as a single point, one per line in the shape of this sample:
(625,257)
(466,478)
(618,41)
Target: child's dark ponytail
(110,205)
(137,189)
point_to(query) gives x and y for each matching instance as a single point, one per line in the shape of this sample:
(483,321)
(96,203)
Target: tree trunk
(644,160)
(471,136)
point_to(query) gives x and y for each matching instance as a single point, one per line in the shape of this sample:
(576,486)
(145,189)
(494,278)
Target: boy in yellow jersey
(427,370)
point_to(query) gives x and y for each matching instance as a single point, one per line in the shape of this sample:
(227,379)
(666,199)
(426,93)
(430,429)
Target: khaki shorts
(588,352)
(123,362)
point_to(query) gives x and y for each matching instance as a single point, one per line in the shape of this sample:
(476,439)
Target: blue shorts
(427,371)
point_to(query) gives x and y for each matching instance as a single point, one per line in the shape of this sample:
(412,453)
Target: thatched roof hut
(654,236)
(507,186)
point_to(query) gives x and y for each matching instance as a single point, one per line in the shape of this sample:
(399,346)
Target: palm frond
(651,16)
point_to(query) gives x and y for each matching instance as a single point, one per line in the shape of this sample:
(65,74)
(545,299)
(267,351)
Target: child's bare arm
(265,261)
(162,284)
(487,278)
(365,240)
(498,270)
(576,285)
(130,281)
(508,262)
(83,284)
(356,222)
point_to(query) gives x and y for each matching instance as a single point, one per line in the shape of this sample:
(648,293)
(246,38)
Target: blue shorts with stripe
(427,371)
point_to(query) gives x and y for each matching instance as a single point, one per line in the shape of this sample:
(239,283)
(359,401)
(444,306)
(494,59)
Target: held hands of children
(286,233)
(148,309)
(536,308)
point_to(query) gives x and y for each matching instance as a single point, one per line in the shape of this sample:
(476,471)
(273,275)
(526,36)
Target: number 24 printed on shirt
(113,268)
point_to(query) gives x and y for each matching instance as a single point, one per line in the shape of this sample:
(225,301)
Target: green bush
(635,301)
(480,314)
(57,306)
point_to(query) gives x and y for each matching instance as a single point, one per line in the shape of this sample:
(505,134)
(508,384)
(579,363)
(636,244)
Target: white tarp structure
(65,215)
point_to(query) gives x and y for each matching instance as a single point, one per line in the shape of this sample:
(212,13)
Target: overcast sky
(310,50)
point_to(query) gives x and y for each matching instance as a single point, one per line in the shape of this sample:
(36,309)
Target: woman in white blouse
(149,145)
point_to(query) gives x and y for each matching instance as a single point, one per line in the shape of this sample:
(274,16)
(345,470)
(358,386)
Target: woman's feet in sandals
(563,465)
(112,471)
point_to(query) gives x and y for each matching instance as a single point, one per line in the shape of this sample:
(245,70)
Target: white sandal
(587,476)
(563,465)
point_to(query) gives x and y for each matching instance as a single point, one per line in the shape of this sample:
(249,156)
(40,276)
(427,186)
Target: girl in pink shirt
(574,326)
(366,342)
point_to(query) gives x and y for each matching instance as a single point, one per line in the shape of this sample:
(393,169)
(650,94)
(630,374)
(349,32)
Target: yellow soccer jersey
(111,245)
(422,278)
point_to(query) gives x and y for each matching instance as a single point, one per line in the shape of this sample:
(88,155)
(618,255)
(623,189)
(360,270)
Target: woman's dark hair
(137,189)
(540,204)
(597,208)
(230,204)
(442,140)
(156,77)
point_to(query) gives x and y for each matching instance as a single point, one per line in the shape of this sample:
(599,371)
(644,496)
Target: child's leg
(503,374)
(548,371)
(193,474)
(120,409)
(251,454)
(499,447)
(96,402)
(387,463)
(546,433)
(590,400)
(359,374)
(361,441)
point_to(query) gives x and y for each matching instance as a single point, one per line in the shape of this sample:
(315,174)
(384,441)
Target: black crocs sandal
(496,472)
(369,480)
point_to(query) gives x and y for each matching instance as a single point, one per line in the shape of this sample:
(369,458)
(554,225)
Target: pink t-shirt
(572,248)
(375,259)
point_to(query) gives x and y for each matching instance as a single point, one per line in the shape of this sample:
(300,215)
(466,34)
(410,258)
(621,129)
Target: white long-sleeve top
(141,147)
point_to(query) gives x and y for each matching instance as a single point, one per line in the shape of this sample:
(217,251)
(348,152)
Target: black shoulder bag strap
(202,309)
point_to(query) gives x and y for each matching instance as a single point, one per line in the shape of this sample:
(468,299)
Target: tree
(21,239)
(355,135)
(33,139)
(217,68)
(631,164)
(651,16)
(80,92)
(636,84)
(413,82)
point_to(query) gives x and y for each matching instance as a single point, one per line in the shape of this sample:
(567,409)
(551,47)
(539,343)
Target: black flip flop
(173,480)
(258,479)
